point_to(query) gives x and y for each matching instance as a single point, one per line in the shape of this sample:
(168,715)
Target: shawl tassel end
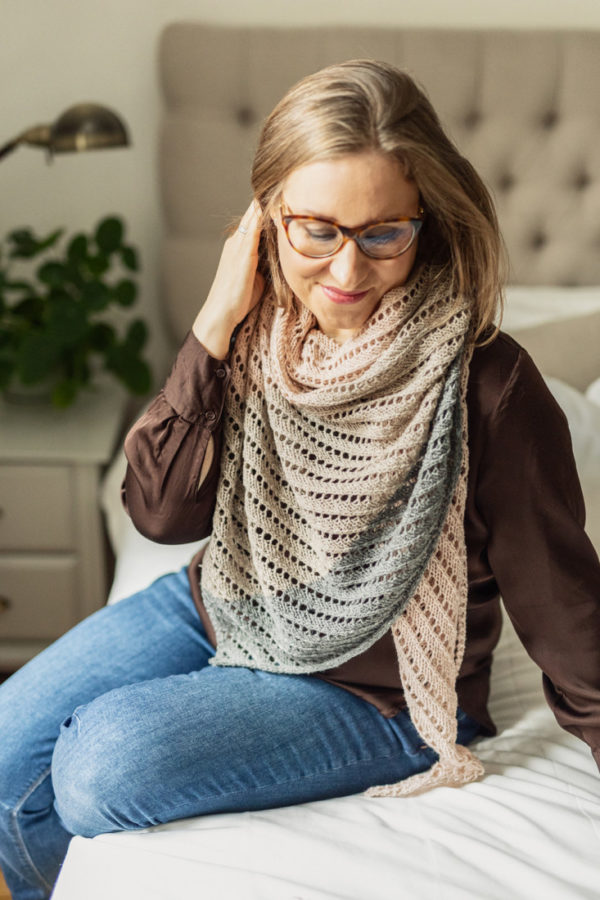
(454,771)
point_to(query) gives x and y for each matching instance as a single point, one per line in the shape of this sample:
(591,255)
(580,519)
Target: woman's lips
(338,296)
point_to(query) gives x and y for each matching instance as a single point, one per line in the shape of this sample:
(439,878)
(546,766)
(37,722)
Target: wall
(54,53)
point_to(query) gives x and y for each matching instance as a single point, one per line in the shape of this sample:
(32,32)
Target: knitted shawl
(340,506)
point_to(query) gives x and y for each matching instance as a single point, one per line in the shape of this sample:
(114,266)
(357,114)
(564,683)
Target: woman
(374,464)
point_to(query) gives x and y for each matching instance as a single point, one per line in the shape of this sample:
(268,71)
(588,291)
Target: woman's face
(343,290)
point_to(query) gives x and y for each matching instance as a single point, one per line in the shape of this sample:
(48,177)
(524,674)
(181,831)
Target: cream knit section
(341,500)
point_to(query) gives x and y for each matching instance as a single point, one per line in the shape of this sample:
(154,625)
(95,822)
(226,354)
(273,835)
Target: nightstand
(53,565)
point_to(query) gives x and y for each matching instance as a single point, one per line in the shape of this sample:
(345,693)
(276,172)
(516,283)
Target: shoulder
(494,365)
(503,371)
(507,391)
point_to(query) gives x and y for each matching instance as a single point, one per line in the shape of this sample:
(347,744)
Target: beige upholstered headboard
(523,106)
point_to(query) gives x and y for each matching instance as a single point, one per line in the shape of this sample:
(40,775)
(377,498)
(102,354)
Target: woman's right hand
(236,289)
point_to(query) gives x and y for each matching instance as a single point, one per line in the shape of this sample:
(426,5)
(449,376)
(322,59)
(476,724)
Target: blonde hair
(364,105)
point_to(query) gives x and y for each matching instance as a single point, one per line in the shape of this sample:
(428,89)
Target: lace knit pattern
(340,503)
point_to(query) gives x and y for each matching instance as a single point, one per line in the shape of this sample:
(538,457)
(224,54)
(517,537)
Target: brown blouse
(524,527)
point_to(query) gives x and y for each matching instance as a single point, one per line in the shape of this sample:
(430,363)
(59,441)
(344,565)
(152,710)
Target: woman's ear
(272,210)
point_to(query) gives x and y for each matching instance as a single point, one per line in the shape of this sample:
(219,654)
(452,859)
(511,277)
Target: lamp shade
(87,126)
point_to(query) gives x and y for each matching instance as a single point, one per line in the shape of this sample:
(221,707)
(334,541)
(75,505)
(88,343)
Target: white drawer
(38,596)
(36,511)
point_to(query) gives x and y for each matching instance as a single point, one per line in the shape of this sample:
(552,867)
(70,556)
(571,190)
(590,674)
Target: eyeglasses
(318,238)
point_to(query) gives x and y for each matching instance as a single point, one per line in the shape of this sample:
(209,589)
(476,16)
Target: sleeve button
(210,415)
(220,373)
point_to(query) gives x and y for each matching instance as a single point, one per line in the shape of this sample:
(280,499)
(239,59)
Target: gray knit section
(322,624)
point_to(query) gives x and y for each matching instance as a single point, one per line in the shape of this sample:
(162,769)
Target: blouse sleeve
(166,449)
(545,565)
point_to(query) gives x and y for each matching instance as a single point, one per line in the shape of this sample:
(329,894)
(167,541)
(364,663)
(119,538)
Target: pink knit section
(430,641)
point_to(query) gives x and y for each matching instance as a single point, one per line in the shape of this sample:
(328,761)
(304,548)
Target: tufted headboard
(523,107)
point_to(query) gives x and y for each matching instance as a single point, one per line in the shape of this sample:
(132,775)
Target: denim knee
(85,777)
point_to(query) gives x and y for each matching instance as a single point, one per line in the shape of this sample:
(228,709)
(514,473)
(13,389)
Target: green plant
(54,328)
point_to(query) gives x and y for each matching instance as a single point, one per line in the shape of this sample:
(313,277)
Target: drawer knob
(5,604)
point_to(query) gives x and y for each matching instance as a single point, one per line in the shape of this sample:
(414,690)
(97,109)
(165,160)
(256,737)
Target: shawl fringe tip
(454,771)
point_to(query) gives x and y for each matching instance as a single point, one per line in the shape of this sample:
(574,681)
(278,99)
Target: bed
(524,107)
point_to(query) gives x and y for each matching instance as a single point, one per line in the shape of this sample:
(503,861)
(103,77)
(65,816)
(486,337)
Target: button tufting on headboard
(538,240)
(246,116)
(505,182)
(581,181)
(472,120)
(549,119)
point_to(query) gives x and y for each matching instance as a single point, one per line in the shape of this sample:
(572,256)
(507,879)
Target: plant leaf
(18,286)
(136,337)
(26,245)
(98,264)
(30,309)
(126,292)
(129,368)
(101,337)
(78,248)
(53,274)
(136,375)
(95,296)
(129,258)
(109,234)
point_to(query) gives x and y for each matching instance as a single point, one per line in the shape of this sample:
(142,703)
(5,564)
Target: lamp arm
(8,148)
(38,136)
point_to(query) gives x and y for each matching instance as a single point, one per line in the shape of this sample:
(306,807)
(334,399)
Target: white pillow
(529,305)
(583,415)
(593,392)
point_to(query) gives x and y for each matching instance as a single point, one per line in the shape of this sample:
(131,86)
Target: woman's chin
(342,320)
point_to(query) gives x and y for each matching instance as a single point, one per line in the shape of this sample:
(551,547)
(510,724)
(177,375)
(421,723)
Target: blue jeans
(122,724)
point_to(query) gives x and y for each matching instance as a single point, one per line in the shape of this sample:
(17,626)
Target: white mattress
(529,829)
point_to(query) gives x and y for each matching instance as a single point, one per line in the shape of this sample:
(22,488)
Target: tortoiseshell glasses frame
(370,244)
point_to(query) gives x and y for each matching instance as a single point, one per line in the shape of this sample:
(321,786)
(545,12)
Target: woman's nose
(348,265)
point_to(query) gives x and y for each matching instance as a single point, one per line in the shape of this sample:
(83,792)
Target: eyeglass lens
(315,238)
